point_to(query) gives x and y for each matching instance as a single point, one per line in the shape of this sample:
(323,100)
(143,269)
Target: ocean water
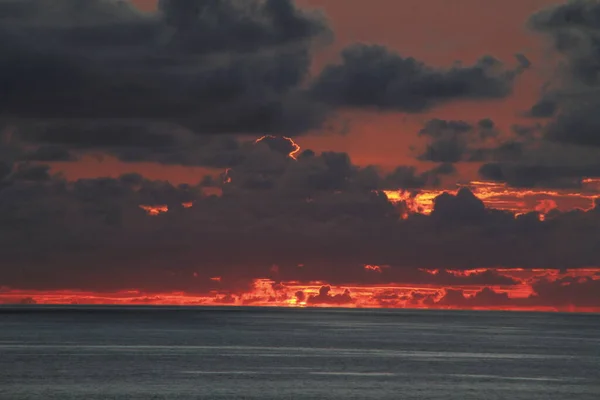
(244,353)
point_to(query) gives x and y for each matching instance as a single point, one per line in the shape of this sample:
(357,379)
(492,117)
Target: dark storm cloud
(486,297)
(135,141)
(543,108)
(99,135)
(526,132)
(49,153)
(579,292)
(325,298)
(103,228)
(213,66)
(26,172)
(573,27)
(578,126)
(317,218)
(450,141)
(374,76)
(237,26)
(116,80)
(327,172)
(348,273)
(463,207)
(574,96)
(523,160)
(536,175)
(84,235)
(563,293)
(517,158)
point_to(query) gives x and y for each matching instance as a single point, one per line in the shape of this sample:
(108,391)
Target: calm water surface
(201,353)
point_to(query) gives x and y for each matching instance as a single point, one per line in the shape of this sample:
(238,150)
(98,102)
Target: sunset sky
(383,153)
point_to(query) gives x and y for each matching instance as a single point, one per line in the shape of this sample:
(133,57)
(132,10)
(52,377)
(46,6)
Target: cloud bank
(216,84)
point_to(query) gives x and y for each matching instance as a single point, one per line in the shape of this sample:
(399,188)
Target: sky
(390,153)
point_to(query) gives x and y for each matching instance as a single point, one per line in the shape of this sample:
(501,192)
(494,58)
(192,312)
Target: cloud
(562,294)
(150,86)
(374,76)
(536,175)
(217,25)
(578,126)
(268,165)
(28,172)
(49,153)
(524,160)
(518,157)
(543,108)
(447,140)
(579,292)
(325,298)
(104,227)
(215,67)
(321,212)
(107,78)
(136,141)
(486,297)
(463,207)
(573,96)
(452,141)
(353,273)
(574,31)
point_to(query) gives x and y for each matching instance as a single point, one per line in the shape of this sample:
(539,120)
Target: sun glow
(495,195)
(519,295)
(154,209)
(296,147)
(502,197)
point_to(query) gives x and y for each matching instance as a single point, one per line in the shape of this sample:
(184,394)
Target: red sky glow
(304,153)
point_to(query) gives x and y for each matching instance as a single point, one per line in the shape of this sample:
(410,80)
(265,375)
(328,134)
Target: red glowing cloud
(284,143)
(534,290)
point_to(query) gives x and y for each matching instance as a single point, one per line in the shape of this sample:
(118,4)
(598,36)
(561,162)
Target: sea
(152,353)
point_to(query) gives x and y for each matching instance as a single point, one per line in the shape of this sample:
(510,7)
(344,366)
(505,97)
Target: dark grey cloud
(538,175)
(325,298)
(526,132)
(573,96)
(208,26)
(518,157)
(213,66)
(561,294)
(28,172)
(543,108)
(139,141)
(451,141)
(579,292)
(444,169)
(485,297)
(146,86)
(347,273)
(100,135)
(448,141)
(374,76)
(578,126)
(49,153)
(463,207)
(318,218)
(529,159)
(266,166)
(573,27)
